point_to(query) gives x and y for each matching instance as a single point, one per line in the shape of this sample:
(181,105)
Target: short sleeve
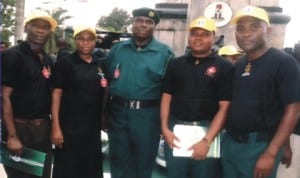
(168,80)
(225,81)
(289,81)
(10,68)
(60,74)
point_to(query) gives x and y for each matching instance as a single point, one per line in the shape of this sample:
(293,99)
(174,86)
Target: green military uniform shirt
(142,82)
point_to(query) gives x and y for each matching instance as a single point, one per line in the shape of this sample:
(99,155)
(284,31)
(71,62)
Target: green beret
(146,12)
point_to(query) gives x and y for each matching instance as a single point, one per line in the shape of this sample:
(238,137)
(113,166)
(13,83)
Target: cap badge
(248,9)
(151,14)
(201,22)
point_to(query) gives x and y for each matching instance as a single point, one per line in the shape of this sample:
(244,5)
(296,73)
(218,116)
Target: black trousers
(80,157)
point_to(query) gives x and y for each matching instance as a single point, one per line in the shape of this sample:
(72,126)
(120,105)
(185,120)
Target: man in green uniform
(135,69)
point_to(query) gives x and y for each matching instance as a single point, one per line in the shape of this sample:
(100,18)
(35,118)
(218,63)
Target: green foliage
(116,21)
(8,10)
(59,15)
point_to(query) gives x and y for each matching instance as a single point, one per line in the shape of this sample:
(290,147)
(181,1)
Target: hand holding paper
(200,150)
(188,136)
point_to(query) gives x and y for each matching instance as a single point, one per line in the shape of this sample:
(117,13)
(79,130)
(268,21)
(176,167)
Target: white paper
(188,136)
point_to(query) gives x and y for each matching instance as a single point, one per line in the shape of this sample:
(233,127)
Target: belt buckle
(134,104)
(137,104)
(195,123)
(240,137)
(131,104)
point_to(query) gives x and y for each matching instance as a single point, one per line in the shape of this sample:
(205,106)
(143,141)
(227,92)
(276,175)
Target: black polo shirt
(197,85)
(22,70)
(81,102)
(259,99)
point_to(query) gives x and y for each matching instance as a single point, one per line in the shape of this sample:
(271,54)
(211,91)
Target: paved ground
(158,172)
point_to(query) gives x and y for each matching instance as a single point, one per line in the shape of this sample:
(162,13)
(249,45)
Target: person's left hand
(200,150)
(264,165)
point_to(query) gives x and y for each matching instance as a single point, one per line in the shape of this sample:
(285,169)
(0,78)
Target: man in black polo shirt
(265,101)
(26,74)
(196,95)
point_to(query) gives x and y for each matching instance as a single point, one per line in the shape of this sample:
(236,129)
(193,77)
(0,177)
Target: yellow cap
(204,23)
(228,50)
(42,15)
(80,29)
(251,11)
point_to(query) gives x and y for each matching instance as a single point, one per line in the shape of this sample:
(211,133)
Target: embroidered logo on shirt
(210,71)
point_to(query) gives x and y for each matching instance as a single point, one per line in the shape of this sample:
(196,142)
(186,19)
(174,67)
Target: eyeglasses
(85,39)
(140,20)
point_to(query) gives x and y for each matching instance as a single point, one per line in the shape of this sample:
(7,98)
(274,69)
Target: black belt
(36,121)
(250,137)
(193,123)
(188,122)
(133,103)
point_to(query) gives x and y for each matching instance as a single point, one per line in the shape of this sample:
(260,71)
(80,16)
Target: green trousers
(183,167)
(133,141)
(239,159)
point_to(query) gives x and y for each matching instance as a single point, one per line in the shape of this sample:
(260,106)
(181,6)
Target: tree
(20,7)
(59,15)
(116,21)
(8,10)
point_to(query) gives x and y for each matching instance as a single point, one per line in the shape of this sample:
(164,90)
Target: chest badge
(210,71)
(247,70)
(46,72)
(117,72)
(103,80)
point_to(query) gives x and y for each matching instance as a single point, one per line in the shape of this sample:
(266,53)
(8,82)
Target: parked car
(160,157)
(104,140)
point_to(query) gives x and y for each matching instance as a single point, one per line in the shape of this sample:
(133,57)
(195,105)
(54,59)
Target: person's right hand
(57,137)
(287,155)
(170,137)
(14,146)
(264,165)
